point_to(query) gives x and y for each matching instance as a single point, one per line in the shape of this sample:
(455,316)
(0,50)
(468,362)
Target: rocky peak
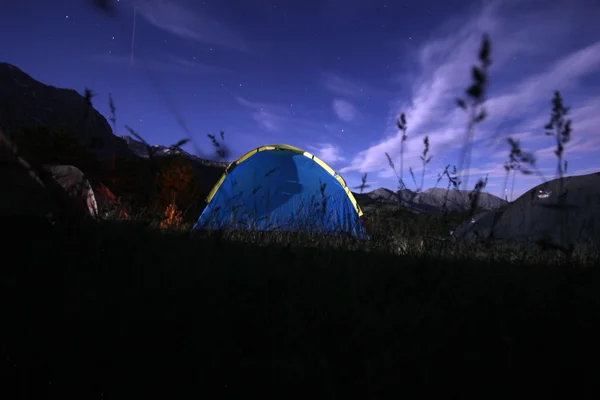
(26,102)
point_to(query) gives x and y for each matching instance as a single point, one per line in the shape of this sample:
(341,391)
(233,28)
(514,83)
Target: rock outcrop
(537,217)
(30,191)
(537,214)
(76,185)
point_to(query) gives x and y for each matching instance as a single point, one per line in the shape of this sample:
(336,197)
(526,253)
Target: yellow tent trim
(322,163)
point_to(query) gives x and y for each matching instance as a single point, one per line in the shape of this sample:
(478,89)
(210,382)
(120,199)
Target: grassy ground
(117,309)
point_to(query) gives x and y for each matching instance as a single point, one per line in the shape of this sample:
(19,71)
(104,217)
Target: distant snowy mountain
(432,200)
(457,200)
(141,150)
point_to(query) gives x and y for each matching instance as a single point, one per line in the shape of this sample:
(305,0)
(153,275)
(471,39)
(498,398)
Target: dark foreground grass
(122,311)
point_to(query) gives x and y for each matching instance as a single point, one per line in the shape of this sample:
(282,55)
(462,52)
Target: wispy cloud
(169,64)
(519,97)
(290,120)
(344,110)
(327,152)
(271,117)
(343,87)
(184,18)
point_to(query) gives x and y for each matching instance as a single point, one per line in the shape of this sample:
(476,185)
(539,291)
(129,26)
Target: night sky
(328,76)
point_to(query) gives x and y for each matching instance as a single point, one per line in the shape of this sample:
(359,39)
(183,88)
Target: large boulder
(28,190)
(537,215)
(77,186)
(538,218)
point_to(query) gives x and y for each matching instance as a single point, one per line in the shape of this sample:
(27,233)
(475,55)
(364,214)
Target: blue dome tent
(282,188)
